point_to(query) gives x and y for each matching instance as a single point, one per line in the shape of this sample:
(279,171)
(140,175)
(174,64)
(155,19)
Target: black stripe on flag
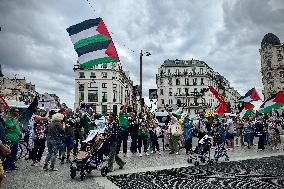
(83,26)
(93,47)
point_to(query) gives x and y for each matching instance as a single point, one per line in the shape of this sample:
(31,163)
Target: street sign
(153,93)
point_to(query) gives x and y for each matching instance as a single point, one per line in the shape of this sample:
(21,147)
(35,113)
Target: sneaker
(140,155)
(177,153)
(53,169)
(45,168)
(15,168)
(152,152)
(8,171)
(62,162)
(147,154)
(121,167)
(124,155)
(159,153)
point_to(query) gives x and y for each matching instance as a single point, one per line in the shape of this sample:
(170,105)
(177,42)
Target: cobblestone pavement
(28,177)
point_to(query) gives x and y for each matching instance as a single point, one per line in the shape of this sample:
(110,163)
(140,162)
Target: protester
(67,142)
(54,129)
(239,132)
(133,130)
(153,125)
(220,149)
(248,132)
(175,132)
(230,132)
(87,121)
(274,136)
(187,134)
(123,127)
(143,133)
(113,155)
(39,136)
(261,133)
(4,149)
(13,132)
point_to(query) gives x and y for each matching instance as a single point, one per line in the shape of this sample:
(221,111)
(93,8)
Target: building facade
(272,65)
(184,84)
(105,88)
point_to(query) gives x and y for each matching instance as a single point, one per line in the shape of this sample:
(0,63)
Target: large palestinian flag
(246,109)
(250,96)
(93,43)
(274,102)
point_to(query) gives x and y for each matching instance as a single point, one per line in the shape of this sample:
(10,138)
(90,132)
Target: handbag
(176,130)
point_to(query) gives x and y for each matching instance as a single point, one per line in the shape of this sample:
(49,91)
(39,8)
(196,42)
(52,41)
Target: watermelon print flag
(93,43)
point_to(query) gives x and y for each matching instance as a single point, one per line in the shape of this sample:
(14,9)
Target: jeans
(133,147)
(142,138)
(52,147)
(122,138)
(154,141)
(11,159)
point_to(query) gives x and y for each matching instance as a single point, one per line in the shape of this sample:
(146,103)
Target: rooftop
(183,63)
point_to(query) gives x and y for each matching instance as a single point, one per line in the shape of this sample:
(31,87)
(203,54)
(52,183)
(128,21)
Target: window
(178,90)
(81,87)
(186,81)
(104,96)
(114,109)
(104,74)
(161,92)
(104,66)
(81,75)
(104,109)
(81,92)
(93,75)
(161,81)
(201,70)
(162,101)
(177,71)
(202,82)
(177,81)
(195,81)
(170,92)
(114,92)
(186,91)
(282,74)
(169,71)
(93,95)
(104,85)
(170,81)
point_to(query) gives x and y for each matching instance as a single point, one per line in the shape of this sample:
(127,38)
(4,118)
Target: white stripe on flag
(92,56)
(84,34)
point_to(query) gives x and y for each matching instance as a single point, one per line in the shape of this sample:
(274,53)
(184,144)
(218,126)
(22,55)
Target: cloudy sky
(226,34)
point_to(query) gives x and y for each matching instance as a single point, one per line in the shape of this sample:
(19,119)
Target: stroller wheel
(73,174)
(196,163)
(227,158)
(82,176)
(210,162)
(104,171)
(189,160)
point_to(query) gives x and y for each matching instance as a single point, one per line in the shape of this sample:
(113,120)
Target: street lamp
(141,55)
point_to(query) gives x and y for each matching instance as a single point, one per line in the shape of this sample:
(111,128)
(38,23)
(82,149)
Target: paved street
(176,165)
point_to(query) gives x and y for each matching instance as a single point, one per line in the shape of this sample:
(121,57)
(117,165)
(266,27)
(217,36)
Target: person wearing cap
(113,139)
(13,132)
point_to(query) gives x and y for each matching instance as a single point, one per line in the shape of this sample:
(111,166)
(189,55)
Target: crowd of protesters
(63,131)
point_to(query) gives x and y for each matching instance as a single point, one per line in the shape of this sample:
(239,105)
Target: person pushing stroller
(113,139)
(220,150)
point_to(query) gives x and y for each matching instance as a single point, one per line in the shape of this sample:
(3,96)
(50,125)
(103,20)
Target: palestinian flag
(246,109)
(6,106)
(250,96)
(220,110)
(274,102)
(93,43)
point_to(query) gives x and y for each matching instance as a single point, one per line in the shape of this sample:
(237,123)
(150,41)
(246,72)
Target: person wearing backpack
(175,132)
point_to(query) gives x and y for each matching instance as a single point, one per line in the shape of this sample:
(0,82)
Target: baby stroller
(91,155)
(201,153)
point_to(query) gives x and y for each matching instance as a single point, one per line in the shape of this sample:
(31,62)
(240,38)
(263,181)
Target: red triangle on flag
(248,105)
(254,95)
(111,51)
(102,29)
(221,109)
(279,98)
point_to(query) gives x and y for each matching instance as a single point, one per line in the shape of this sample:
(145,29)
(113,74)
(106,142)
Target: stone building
(272,65)
(105,87)
(184,84)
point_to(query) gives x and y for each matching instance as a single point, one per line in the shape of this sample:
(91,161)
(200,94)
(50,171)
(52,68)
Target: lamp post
(141,70)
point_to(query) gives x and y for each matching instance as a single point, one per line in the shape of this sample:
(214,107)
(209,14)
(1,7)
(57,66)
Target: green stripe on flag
(94,62)
(270,108)
(90,40)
